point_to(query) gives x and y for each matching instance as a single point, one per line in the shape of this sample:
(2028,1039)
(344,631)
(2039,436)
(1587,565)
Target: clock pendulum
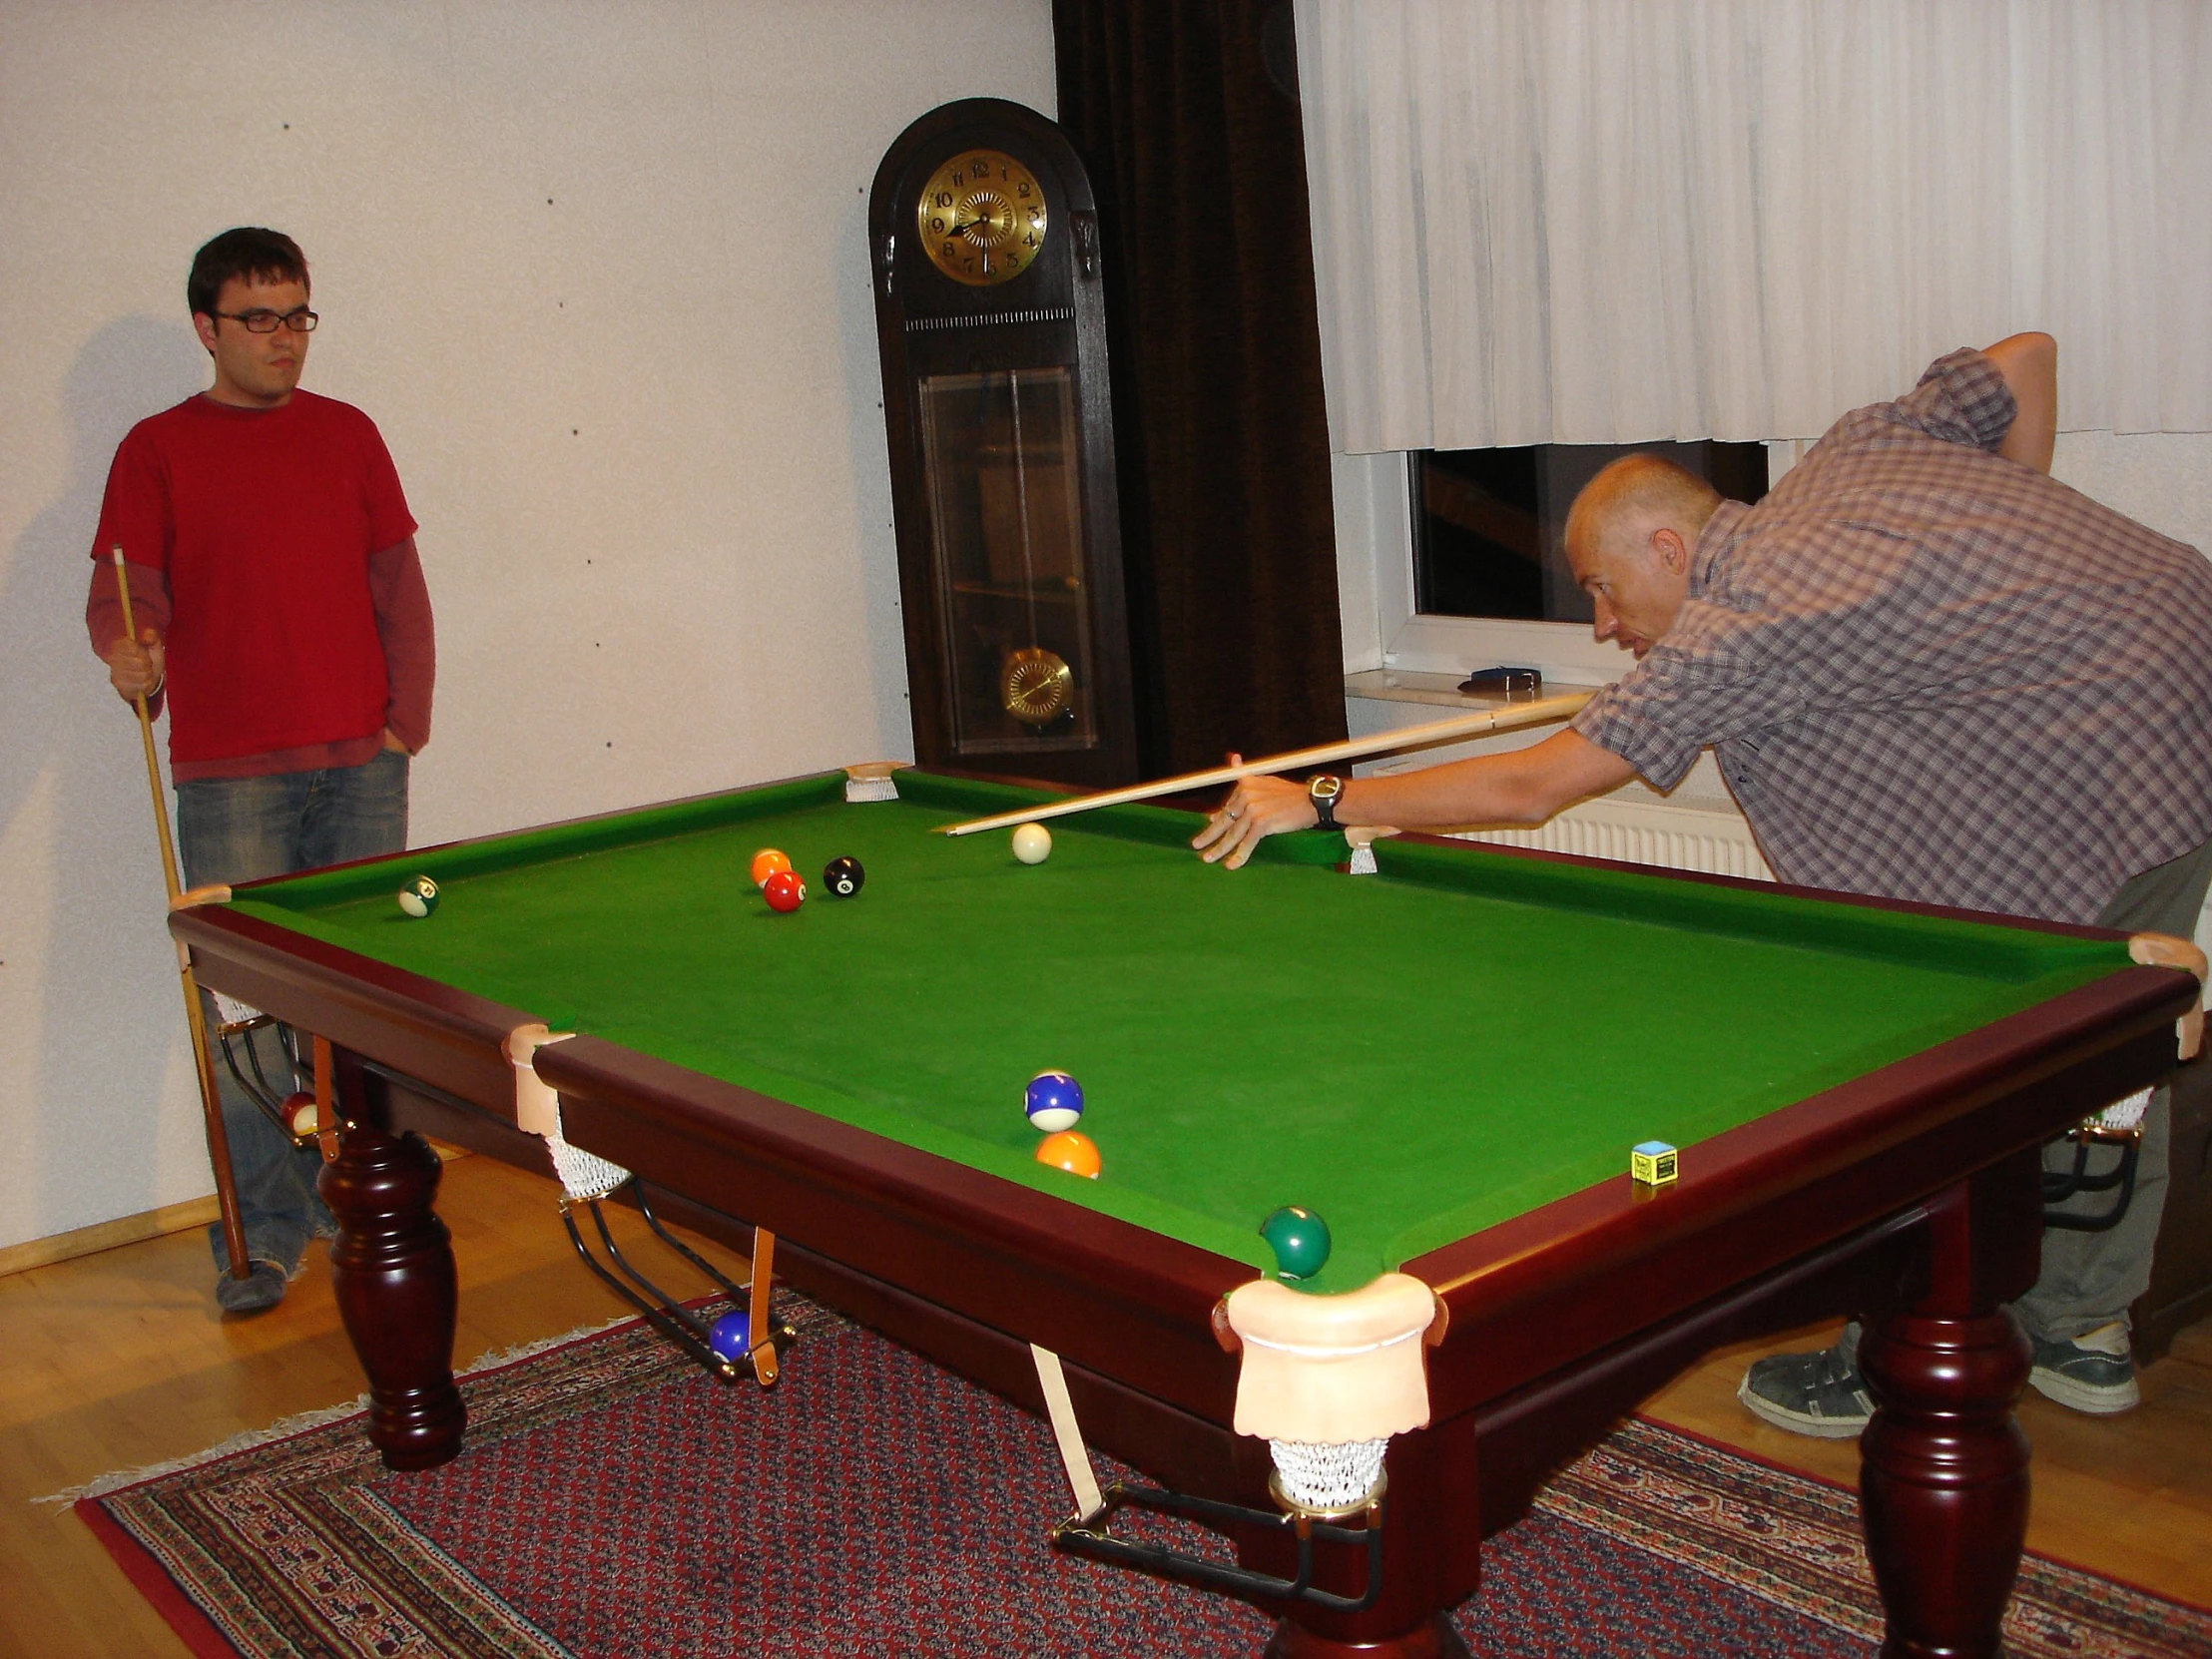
(1035,683)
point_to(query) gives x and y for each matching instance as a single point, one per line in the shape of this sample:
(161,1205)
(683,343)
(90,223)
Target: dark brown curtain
(1186,114)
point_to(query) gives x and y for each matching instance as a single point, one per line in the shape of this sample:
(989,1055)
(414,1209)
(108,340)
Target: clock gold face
(1035,683)
(982,217)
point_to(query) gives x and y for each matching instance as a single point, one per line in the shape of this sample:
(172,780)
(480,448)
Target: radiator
(1673,837)
(1703,832)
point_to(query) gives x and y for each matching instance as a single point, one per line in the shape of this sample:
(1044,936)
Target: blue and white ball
(1054,1101)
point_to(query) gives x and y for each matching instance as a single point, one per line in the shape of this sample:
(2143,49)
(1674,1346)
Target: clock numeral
(945,198)
(1029,241)
(937,226)
(1022,188)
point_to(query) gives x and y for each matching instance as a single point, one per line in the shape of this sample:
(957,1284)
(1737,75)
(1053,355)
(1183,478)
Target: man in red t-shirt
(282,617)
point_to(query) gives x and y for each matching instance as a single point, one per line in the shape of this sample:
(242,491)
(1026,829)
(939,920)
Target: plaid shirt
(1930,673)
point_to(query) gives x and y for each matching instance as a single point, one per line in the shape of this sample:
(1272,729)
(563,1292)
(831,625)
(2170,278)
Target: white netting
(871,789)
(2124,1114)
(1327,1477)
(584,1174)
(1363,860)
(229,1010)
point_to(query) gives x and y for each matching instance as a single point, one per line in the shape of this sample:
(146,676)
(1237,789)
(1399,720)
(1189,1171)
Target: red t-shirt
(264,521)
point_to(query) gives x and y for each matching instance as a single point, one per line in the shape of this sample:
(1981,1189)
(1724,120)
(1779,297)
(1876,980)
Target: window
(1489,524)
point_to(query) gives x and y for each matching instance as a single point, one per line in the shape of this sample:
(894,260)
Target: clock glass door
(1001,461)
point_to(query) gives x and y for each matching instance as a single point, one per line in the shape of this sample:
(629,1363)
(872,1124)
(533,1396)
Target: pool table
(1448,1058)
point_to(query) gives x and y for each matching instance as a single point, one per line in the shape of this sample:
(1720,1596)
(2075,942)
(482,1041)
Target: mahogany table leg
(1943,1478)
(392,1266)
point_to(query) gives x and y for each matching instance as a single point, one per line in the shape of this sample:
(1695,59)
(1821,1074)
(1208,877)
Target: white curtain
(1613,221)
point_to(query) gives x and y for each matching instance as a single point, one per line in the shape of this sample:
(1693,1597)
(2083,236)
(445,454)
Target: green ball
(419,898)
(1300,1240)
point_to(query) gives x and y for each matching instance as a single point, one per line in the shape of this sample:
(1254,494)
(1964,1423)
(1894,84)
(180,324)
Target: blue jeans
(234,830)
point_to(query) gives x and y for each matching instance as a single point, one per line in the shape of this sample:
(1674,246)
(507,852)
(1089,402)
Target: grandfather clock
(990,317)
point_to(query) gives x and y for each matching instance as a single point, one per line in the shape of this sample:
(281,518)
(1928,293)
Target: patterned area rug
(614,1502)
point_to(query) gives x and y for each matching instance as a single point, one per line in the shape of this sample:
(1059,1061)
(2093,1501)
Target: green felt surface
(1414,1055)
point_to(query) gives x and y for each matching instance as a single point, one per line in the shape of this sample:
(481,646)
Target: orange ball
(1071,1150)
(766,862)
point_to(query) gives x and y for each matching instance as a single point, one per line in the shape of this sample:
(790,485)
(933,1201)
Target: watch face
(982,217)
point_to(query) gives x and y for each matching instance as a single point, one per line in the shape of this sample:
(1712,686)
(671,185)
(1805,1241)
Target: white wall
(599,272)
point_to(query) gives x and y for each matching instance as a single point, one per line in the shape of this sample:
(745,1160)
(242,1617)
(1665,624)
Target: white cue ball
(1032,843)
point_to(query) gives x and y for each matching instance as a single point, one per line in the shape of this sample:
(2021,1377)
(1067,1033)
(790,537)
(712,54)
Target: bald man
(1928,670)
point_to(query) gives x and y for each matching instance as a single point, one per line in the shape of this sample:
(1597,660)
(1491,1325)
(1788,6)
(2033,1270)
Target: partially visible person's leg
(232,830)
(2076,1312)
(351,813)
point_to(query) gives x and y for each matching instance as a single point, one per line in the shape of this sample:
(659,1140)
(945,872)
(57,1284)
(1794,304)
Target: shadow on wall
(68,754)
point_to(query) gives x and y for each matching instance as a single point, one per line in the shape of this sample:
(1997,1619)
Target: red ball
(785,891)
(300,1113)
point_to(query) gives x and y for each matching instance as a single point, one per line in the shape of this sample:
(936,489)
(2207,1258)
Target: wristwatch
(1324,791)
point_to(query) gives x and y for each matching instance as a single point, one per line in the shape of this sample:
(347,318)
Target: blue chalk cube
(1653,1163)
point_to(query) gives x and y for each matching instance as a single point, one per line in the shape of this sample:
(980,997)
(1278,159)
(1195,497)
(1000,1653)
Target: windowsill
(1396,685)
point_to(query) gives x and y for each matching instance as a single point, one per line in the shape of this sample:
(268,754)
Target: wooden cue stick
(1508,719)
(196,1020)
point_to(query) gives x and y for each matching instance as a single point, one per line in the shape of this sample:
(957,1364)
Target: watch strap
(1325,804)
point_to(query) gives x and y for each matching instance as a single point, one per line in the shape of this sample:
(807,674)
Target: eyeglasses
(301,321)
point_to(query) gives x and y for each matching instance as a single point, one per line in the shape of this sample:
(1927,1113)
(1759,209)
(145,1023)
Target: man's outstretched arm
(1523,787)
(2029,364)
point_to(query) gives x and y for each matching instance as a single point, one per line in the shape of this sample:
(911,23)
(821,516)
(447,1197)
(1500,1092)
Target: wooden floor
(120,1360)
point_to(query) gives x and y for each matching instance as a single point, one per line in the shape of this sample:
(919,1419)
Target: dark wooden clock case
(929,326)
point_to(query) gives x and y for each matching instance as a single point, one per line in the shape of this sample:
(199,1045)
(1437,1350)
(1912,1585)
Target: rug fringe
(493,1358)
(244,1441)
(299,1423)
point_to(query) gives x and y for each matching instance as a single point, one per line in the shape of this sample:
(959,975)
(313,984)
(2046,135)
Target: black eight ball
(842,877)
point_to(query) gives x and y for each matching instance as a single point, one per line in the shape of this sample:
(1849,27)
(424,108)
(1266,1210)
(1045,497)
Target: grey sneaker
(2088,1378)
(1821,1393)
(262,1289)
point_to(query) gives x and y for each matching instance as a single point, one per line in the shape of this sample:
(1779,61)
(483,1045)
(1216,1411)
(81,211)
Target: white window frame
(1374,556)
